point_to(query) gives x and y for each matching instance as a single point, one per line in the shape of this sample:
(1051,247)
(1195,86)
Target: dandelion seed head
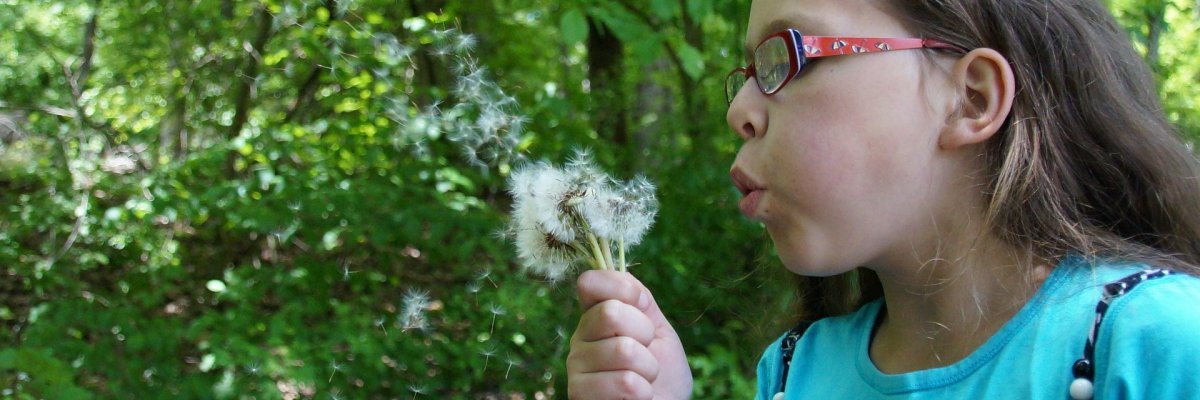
(537,191)
(555,209)
(637,209)
(543,254)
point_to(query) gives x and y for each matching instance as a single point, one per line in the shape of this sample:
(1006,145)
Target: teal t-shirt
(1148,347)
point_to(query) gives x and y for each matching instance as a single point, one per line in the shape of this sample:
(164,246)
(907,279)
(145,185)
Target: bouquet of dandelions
(577,215)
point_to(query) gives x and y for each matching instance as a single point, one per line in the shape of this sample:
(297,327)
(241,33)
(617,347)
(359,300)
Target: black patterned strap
(787,347)
(1084,368)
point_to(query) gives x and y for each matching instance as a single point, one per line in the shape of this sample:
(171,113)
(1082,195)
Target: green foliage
(298,198)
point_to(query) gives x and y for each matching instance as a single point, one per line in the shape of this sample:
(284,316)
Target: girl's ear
(987,86)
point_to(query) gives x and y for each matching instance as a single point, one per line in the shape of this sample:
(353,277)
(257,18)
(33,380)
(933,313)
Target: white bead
(778,396)
(1081,389)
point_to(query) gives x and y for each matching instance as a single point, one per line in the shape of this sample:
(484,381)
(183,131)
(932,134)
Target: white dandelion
(577,214)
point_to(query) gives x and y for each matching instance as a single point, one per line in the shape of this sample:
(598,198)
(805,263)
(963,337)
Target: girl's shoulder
(1148,341)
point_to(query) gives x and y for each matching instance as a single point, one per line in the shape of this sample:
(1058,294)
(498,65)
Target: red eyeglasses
(781,56)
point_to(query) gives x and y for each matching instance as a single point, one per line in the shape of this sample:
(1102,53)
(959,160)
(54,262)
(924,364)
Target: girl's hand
(623,347)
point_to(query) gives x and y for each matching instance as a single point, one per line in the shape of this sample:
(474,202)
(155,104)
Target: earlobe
(986,87)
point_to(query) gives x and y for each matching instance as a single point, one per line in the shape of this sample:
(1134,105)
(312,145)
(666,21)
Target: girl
(995,176)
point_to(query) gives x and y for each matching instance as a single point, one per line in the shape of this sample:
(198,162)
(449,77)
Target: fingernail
(643,301)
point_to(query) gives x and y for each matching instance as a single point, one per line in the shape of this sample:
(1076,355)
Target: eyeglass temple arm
(825,46)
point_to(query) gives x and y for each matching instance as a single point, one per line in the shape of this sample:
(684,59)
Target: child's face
(846,154)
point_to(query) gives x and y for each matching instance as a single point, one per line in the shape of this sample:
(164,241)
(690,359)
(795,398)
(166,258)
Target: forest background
(301,198)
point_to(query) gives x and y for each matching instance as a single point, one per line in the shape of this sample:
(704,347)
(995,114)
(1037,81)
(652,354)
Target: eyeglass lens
(773,62)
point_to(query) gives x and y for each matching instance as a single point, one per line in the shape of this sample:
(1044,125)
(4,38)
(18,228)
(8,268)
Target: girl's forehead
(819,17)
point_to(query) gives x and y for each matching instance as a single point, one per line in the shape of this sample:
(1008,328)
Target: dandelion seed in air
(464,43)
(336,368)
(496,311)
(486,275)
(253,369)
(381,324)
(487,354)
(417,390)
(412,313)
(511,362)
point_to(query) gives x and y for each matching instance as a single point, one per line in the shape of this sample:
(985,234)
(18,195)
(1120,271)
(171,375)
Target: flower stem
(606,245)
(597,255)
(621,252)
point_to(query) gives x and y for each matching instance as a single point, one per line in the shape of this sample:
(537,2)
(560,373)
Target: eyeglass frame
(802,48)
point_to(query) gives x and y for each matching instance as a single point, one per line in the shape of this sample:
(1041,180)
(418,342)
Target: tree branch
(309,87)
(245,89)
(79,79)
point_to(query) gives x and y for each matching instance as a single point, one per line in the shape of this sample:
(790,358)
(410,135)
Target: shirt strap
(1084,368)
(786,348)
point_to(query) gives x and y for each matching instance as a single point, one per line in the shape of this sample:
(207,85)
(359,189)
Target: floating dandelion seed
(412,313)
(464,43)
(252,369)
(380,323)
(577,214)
(336,368)
(560,334)
(487,354)
(486,275)
(511,362)
(496,311)
(417,390)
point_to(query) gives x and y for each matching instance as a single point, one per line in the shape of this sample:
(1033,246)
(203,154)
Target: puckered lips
(751,190)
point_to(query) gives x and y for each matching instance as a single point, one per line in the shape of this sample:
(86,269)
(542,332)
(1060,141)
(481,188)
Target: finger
(609,385)
(597,286)
(613,318)
(621,353)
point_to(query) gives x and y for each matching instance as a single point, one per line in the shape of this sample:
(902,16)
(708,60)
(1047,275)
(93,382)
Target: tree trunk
(1156,23)
(610,108)
(653,100)
(247,83)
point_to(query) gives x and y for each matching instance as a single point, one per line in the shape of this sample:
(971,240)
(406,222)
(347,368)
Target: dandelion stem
(597,255)
(621,252)
(606,245)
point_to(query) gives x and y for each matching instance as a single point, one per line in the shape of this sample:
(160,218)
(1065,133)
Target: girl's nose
(747,116)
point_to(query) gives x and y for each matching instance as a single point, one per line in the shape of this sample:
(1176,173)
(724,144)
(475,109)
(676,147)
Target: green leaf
(693,61)
(573,26)
(664,9)
(699,8)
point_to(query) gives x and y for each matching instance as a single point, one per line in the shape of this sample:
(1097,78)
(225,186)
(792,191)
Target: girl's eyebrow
(795,21)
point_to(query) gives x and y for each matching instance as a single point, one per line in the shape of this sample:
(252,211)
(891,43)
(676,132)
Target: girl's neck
(944,309)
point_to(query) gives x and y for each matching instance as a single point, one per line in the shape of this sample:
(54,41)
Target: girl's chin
(807,260)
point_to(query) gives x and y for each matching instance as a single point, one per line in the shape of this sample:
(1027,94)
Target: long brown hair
(1086,163)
